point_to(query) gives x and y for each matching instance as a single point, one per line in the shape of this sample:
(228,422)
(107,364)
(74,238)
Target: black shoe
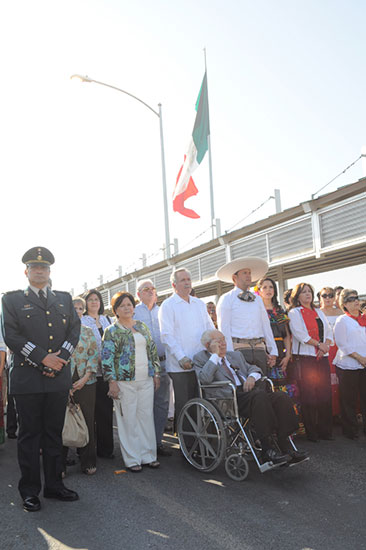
(297,457)
(169,428)
(277,457)
(12,436)
(63,494)
(163,451)
(31,504)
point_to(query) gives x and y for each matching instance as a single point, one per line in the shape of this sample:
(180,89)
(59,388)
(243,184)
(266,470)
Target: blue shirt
(150,318)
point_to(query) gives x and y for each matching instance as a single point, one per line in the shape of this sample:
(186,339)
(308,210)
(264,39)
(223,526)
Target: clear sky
(80,164)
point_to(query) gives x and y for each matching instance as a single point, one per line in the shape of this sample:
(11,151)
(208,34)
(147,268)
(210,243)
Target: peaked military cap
(38,255)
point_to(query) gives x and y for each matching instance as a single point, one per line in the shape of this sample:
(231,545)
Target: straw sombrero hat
(257,266)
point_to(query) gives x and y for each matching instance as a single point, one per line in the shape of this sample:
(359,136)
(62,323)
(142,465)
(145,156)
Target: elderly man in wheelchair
(223,376)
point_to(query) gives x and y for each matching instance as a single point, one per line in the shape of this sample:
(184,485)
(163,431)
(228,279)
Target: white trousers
(135,421)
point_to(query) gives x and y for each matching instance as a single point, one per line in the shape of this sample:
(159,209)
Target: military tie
(42,297)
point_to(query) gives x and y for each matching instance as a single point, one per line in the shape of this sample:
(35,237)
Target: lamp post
(160,116)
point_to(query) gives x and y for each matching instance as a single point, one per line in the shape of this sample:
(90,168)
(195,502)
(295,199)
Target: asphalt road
(318,505)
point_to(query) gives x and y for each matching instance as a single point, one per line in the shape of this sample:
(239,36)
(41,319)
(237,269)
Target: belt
(249,343)
(162,357)
(247,340)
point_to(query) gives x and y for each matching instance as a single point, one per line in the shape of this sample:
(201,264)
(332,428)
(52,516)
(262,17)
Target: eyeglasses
(147,288)
(330,295)
(351,299)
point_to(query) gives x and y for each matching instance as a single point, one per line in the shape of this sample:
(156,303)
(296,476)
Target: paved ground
(319,505)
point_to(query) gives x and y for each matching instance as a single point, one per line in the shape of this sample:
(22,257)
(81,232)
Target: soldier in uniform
(41,328)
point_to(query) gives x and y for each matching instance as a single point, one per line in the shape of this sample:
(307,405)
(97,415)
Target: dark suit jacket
(208,372)
(31,331)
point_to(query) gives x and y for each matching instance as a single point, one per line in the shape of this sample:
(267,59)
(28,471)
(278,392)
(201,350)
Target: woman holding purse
(84,364)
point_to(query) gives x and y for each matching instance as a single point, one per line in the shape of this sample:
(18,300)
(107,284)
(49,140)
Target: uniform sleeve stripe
(68,347)
(27,349)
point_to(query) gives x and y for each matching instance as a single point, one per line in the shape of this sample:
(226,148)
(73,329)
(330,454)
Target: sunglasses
(147,288)
(330,295)
(352,299)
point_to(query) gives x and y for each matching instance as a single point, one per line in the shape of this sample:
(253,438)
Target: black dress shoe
(277,457)
(164,451)
(12,436)
(31,504)
(297,457)
(64,494)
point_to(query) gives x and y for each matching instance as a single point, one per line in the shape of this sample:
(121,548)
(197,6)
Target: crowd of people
(134,359)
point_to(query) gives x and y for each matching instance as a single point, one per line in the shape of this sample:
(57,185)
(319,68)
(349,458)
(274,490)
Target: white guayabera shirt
(181,326)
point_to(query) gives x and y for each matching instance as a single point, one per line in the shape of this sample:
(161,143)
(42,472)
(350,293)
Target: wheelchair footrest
(270,466)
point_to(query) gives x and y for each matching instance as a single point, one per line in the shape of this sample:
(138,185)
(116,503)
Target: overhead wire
(340,174)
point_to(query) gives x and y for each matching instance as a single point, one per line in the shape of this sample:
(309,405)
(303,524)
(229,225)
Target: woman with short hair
(311,338)
(328,306)
(131,368)
(350,337)
(94,319)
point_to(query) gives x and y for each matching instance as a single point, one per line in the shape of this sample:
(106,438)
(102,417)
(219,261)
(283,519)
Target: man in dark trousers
(41,328)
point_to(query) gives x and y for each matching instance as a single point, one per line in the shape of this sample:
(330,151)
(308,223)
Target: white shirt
(300,334)
(240,319)
(217,359)
(36,290)
(181,327)
(350,337)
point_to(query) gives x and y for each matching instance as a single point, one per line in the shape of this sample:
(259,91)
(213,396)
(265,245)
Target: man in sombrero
(241,315)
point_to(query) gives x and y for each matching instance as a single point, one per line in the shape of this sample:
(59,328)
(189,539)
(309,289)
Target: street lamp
(160,116)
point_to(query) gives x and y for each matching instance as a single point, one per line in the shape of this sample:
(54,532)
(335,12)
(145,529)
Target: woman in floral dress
(131,367)
(280,374)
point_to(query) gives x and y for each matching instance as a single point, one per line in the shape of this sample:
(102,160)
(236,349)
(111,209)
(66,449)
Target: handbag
(75,432)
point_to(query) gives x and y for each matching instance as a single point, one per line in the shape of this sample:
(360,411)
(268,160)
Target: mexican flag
(185,187)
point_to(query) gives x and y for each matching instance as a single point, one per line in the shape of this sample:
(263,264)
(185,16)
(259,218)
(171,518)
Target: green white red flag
(185,187)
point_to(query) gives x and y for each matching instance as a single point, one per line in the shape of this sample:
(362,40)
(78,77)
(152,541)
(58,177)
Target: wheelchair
(210,431)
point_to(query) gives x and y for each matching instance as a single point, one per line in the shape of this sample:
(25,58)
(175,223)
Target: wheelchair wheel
(237,467)
(201,434)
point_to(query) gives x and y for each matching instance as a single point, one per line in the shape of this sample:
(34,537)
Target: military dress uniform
(33,329)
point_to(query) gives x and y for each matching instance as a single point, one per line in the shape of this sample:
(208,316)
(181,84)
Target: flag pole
(210,162)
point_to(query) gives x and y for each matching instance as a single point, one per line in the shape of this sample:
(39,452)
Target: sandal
(135,469)
(154,464)
(90,471)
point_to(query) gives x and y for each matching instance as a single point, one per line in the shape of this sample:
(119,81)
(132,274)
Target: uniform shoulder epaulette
(12,292)
(61,292)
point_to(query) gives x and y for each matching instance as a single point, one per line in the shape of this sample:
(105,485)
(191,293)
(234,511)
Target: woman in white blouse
(328,306)
(312,337)
(350,337)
